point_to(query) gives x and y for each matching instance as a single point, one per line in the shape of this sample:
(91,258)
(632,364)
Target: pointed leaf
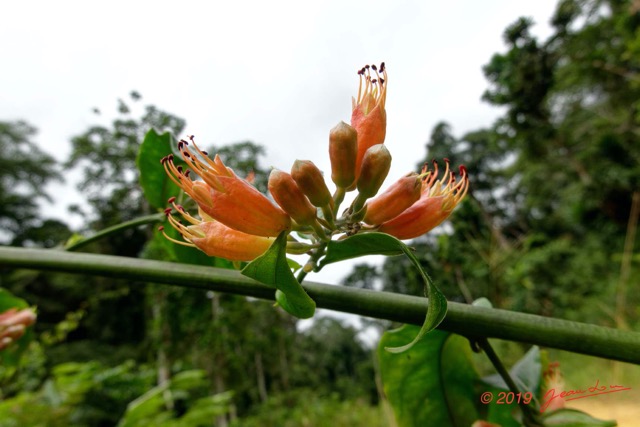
(361,245)
(384,244)
(437,305)
(272,269)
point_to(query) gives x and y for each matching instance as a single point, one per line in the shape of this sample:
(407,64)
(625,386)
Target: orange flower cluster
(238,223)
(13,324)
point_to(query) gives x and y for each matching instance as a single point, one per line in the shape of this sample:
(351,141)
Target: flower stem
(470,321)
(338,197)
(149,219)
(312,261)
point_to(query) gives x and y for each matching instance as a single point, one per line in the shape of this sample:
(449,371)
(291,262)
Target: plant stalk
(463,319)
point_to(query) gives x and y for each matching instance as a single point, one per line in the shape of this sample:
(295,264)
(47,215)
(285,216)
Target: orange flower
(224,196)
(13,324)
(437,201)
(368,115)
(397,198)
(216,239)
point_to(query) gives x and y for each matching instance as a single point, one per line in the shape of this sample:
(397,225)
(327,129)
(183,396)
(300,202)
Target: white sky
(279,73)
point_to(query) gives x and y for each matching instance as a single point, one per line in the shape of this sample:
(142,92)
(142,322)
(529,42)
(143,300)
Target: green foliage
(272,268)
(384,244)
(79,394)
(173,404)
(156,185)
(433,383)
(307,408)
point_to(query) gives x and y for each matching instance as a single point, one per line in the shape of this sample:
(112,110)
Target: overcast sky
(278,73)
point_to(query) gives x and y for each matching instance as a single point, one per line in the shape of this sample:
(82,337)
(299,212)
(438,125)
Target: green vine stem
(463,319)
(75,245)
(530,418)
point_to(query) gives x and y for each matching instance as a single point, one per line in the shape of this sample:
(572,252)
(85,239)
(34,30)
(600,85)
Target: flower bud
(402,194)
(375,167)
(13,324)
(343,150)
(310,180)
(291,199)
(216,239)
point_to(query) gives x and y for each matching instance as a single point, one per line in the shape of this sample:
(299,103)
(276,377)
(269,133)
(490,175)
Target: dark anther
(179,169)
(374,68)
(180,145)
(205,153)
(171,199)
(463,170)
(366,66)
(169,158)
(446,160)
(167,211)
(374,81)
(162,160)
(187,172)
(381,81)
(180,208)
(381,67)
(161,228)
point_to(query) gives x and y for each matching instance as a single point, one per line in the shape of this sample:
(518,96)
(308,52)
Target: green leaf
(272,269)
(437,306)
(384,244)
(526,373)
(156,185)
(566,417)
(8,300)
(361,245)
(433,383)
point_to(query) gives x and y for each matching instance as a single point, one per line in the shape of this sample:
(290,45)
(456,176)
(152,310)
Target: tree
(24,172)
(553,180)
